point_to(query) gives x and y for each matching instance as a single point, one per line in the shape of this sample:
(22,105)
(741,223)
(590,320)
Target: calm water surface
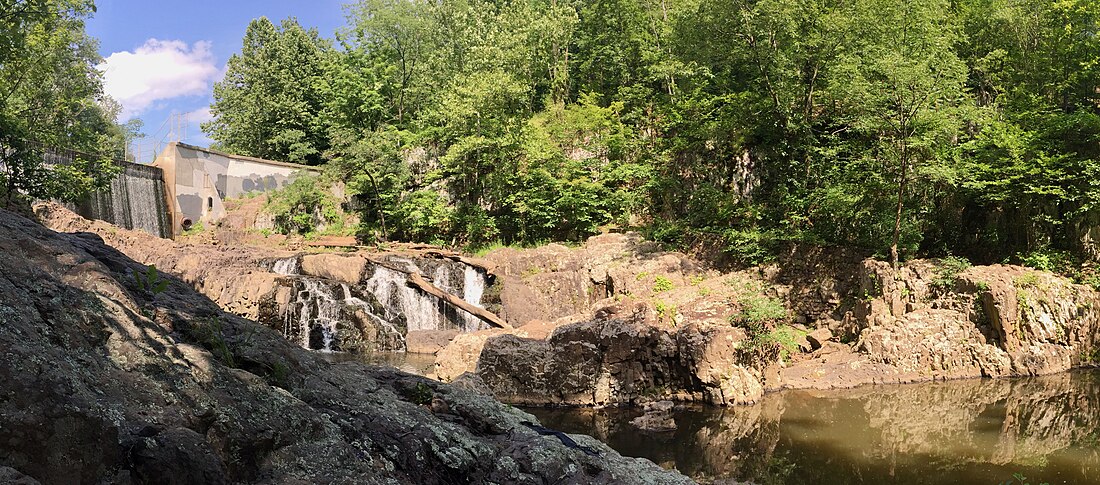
(959,432)
(410,362)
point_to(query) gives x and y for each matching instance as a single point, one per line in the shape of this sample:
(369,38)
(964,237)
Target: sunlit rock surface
(103,381)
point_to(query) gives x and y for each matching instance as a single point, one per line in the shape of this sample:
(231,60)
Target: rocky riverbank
(844,322)
(111,376)
(619,321)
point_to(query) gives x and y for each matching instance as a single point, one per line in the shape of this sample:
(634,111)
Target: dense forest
(926,127)
(52,102)
(905,128)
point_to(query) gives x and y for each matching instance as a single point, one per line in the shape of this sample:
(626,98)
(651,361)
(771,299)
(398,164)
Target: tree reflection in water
(971,431)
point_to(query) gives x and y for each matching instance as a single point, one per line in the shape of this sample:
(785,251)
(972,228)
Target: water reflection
(411,362)
(974,431)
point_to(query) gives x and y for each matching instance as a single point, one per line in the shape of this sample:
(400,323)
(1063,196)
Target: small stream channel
(961,432)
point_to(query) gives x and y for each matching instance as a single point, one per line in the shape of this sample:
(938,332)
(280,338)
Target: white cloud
(158,70)
(201,115)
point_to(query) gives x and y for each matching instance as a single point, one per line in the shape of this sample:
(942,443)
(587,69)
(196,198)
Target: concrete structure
(198,180)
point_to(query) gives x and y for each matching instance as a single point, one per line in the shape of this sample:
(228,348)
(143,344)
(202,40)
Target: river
(1046,429)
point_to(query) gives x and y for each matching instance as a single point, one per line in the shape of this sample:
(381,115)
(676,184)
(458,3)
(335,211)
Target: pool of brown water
(1046,429)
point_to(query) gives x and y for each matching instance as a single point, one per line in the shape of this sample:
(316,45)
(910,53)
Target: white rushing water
(384,306)
(286,267)
(473,285)
(317,307)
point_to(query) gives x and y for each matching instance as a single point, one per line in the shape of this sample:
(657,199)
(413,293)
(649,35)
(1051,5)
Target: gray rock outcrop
(102,382)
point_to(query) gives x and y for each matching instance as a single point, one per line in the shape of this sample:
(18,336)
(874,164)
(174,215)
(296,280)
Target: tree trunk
(902,182)
(378,207)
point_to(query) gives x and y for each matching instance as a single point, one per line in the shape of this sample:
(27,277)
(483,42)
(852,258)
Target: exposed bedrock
(648,333)
(616,362)
(988,321)
(103,381)
(341,302)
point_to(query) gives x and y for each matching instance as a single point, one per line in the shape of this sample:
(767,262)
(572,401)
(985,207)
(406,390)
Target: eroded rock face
(617,362)
(915,324)
(989,321)
(104,383)
(341,302)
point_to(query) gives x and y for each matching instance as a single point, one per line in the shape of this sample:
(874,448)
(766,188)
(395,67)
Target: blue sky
(163,57)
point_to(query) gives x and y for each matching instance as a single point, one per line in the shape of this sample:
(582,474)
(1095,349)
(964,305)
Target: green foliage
(420,394)
(51,102)
(150,281)
(661,283)
(1048,260)
(208,333)
(196,228)
(269,102)
(278,374)
(925,127)
(948,271)
(756,309)
(666,313)
(1027,280)
(422,216)
(303,206)
(787,338)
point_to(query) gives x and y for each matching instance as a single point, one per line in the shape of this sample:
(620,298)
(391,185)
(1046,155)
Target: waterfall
(421,311)
(318,312)
(286,267)
(323,315)
(379,311)
(473,285)
(135,199)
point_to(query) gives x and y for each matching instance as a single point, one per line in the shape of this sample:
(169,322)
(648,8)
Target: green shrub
(661,283)
(750,246)
(787,337)
(948,272)
(302,205)
(759,309)
(666,313)
(1047,260)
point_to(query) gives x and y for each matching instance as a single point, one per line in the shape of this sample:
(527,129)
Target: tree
(51,98)
(900,86)
(269,103)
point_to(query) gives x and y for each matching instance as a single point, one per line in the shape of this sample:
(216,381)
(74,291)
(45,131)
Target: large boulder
(618,362)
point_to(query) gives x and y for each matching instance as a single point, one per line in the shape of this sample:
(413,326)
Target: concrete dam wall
(136,199)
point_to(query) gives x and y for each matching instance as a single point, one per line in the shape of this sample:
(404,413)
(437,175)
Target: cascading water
(473,287)
(286,267)
(134,200)
(421,311)
(379,311)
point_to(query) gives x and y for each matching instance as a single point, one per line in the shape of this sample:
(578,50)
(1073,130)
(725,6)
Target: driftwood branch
(418,281)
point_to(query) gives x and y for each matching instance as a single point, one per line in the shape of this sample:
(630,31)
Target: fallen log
(418,281)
